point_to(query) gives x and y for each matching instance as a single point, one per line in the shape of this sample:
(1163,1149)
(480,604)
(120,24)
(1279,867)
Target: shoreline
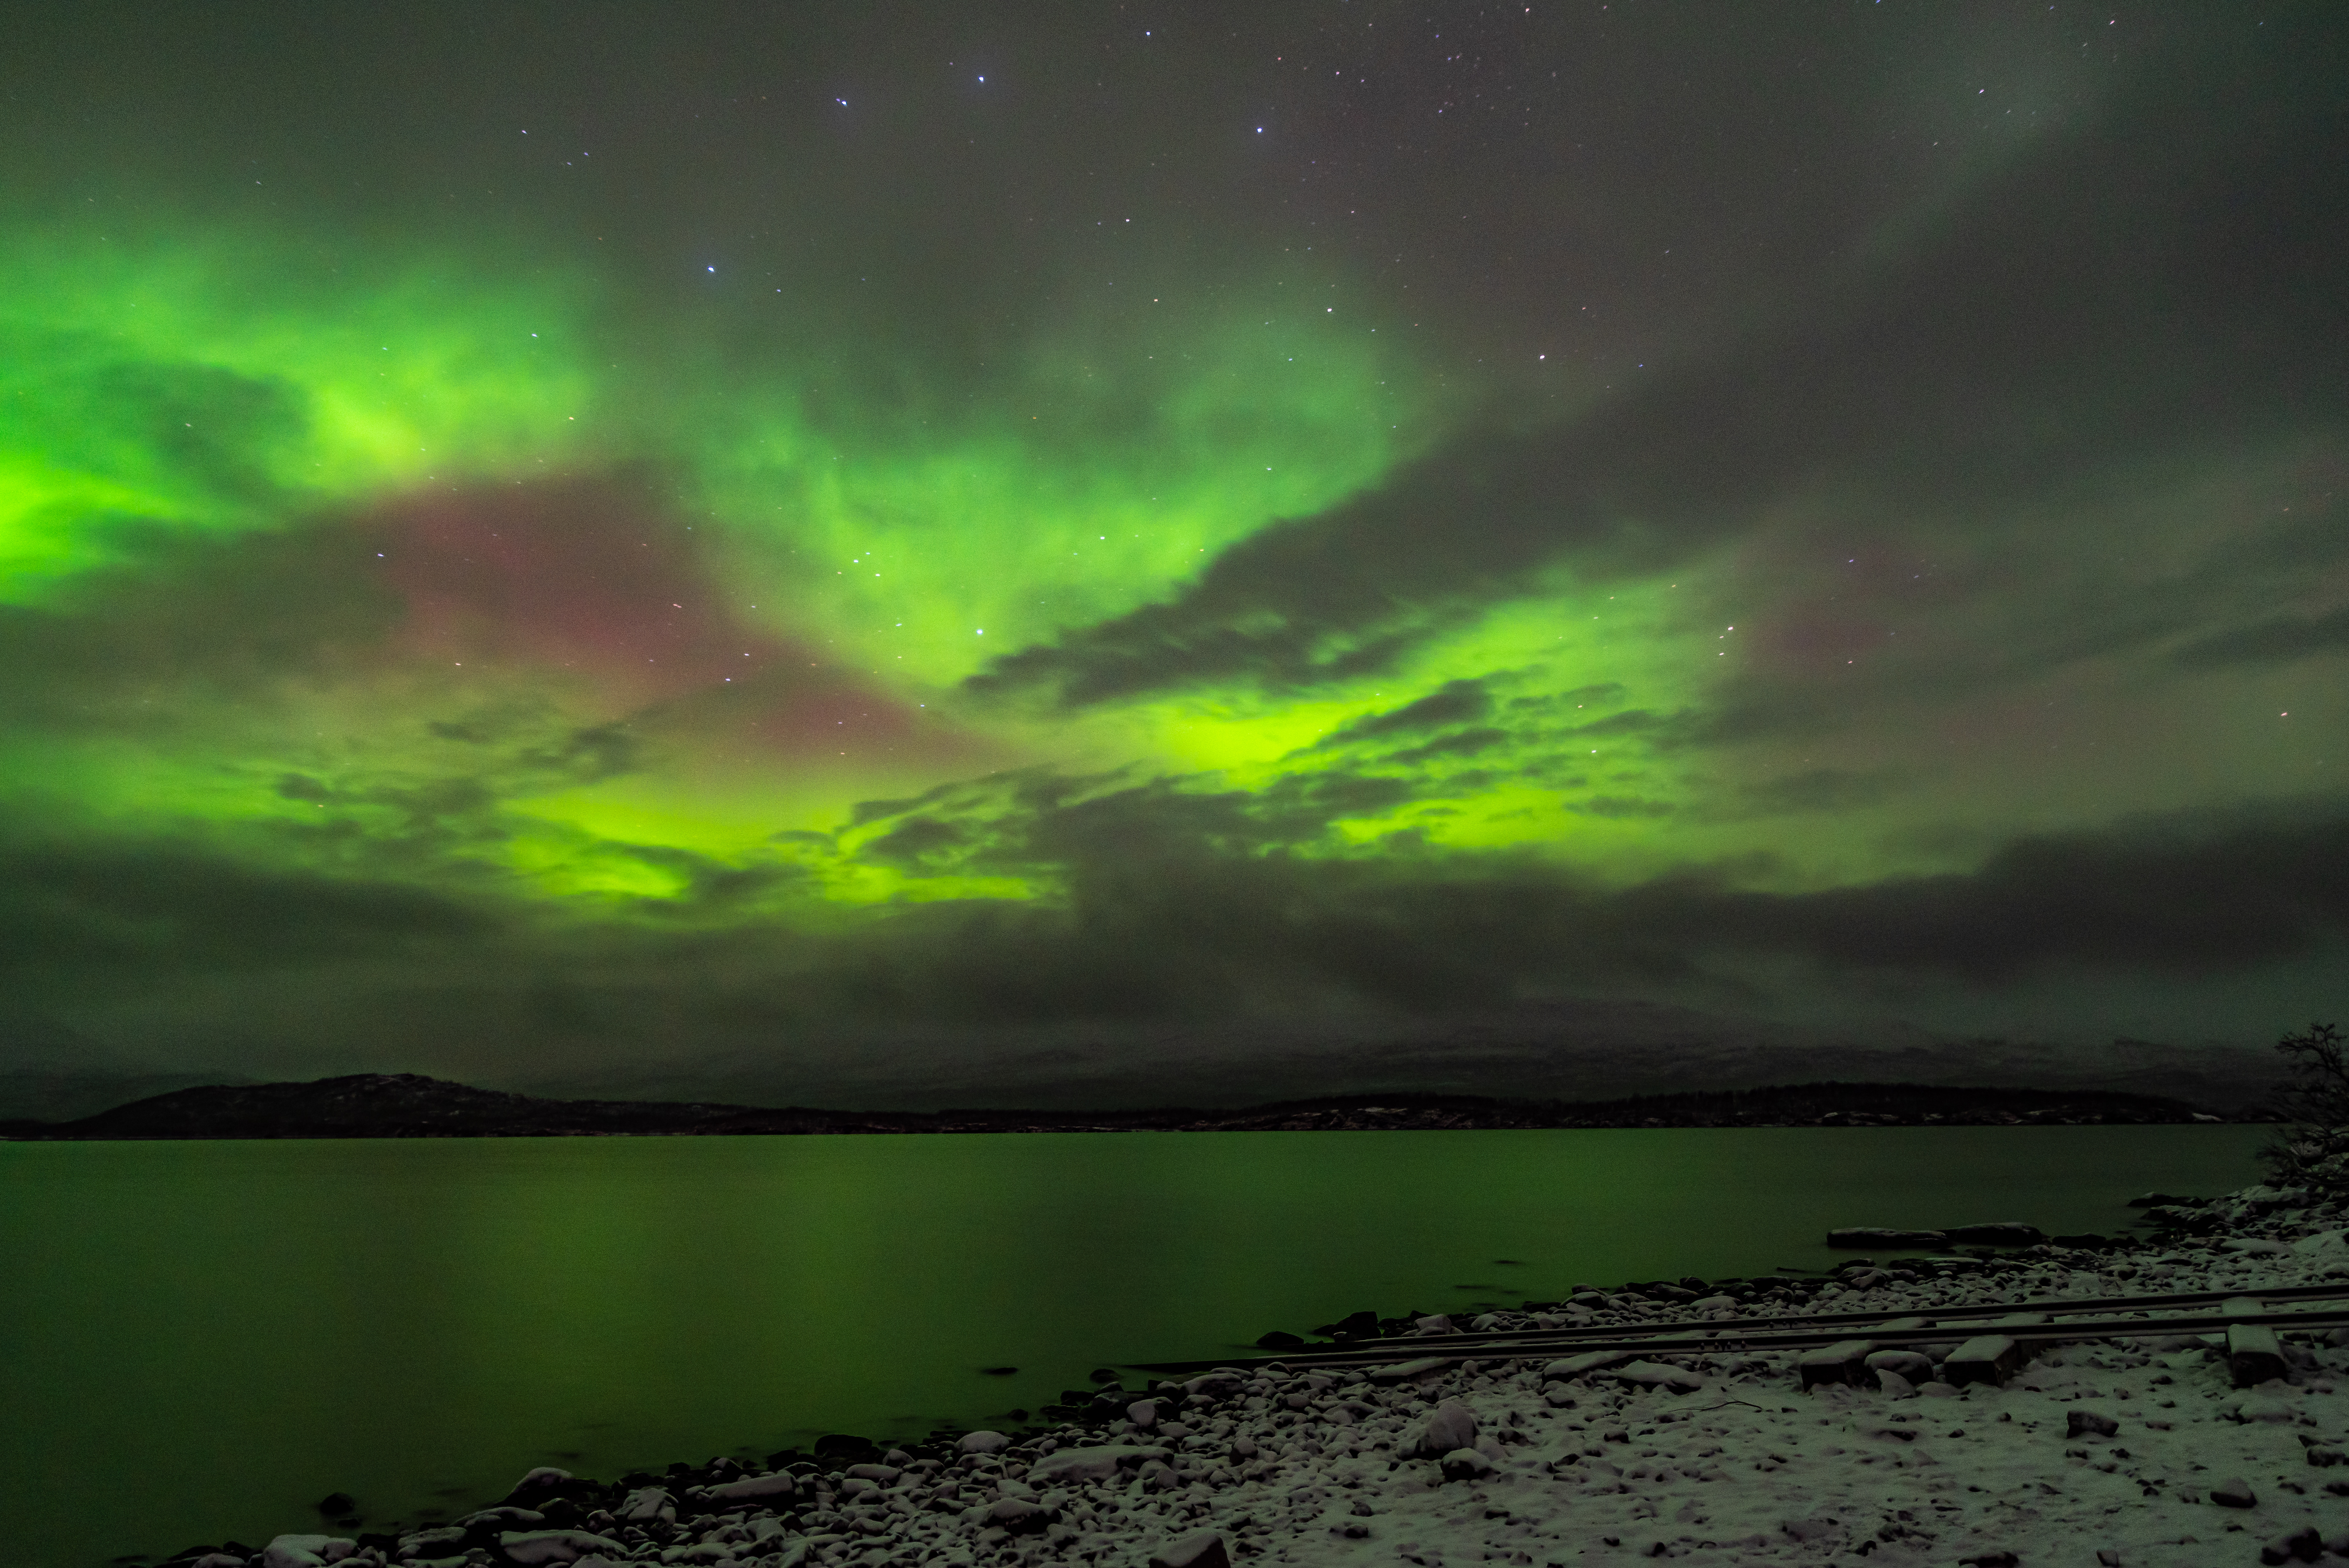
(2111,1451)
(409,1106)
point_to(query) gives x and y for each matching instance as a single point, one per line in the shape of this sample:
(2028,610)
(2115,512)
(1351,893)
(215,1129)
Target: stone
(337,1504)
(2234,1493)
(1280,1339)
(1205,1549)
(305,1550)
(2079,1423)
(1143,1413)
(2253,1353)
(1997,1233)
(981,1443)
(1991,1359)
(1846,1363)
(646,1505)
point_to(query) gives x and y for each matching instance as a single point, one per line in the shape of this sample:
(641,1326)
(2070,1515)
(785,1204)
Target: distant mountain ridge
(409,1105)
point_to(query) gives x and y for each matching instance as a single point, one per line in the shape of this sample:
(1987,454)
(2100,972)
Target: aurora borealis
(943,547)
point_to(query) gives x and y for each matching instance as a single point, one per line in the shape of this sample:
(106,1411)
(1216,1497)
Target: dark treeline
(403,1105)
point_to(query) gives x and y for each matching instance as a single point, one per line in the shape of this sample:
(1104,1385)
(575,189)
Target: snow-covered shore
(2123,1451)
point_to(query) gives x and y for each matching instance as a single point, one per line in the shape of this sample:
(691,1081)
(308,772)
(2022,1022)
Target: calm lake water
(200,1340)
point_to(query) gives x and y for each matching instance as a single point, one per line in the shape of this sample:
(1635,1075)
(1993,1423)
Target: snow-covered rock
(1089,1464)
(533,1547)
(1201,1549)
(759,1489)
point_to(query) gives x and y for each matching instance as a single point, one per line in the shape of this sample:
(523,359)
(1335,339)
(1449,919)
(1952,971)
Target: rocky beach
(2015,1440)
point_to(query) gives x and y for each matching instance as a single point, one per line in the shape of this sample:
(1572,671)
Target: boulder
(647,1505)
(981,1443)
(306,1551)
(1205,1549)
(2080,1423)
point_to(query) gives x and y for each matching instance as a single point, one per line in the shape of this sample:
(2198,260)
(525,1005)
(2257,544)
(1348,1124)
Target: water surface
(200,1340)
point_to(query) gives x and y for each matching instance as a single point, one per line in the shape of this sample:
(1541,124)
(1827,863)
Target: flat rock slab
(1582,1365)
(1846,1363)
(1655,1374)
(1876,1236)
(1997,1233)
(2254,1354)
(1991,1359)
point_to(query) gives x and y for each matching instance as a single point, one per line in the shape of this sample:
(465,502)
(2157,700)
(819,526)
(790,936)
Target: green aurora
(433,645)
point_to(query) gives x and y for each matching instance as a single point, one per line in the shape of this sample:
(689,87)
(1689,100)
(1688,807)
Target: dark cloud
(1998,357)
(2276,640)
(1455,702)
(67,908)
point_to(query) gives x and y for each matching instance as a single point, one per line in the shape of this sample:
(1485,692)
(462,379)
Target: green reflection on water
(245,1327)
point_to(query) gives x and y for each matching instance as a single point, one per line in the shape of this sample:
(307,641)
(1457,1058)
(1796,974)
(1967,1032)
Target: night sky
(922,551)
